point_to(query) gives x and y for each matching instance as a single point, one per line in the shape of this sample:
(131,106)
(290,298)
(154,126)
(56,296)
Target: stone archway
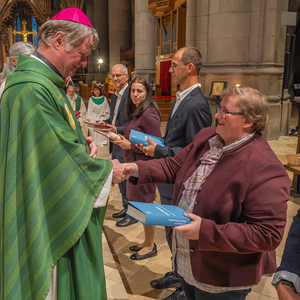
(25,9)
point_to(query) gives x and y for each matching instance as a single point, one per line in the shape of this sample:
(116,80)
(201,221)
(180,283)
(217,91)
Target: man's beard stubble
(73,97)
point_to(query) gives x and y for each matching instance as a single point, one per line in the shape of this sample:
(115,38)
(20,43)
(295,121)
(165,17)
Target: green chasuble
(48,186)
(78,103)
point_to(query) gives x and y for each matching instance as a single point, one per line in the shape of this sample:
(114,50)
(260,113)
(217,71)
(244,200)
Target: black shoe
(120,214)
(127,221)
(135,248)
(177,295)
(152,253)
(170,280)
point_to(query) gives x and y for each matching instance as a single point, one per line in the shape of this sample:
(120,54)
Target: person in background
(143,115)
(189,114)
(98,109)
(69,81)
(235,191)
(117,122)
(14,51)
(53,191)
(287,276)
(78,106)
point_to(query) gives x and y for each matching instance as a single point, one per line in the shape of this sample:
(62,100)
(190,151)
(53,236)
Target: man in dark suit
(189,114)
(117,122)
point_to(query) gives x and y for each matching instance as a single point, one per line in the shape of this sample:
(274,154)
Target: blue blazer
(191,116)
(121,119)
(289,268)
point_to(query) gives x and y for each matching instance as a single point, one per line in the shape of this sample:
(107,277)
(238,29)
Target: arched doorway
(13,14)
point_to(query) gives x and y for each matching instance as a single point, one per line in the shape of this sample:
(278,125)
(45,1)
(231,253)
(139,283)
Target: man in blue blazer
(287,277)
(117,120)
(189,114)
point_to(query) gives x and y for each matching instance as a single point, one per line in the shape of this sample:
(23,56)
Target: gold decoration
(71,120)
(24,32)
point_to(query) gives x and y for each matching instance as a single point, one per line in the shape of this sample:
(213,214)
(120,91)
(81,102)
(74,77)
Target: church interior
(243,42)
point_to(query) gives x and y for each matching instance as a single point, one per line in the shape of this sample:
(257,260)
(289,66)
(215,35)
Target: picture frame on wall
(217,87)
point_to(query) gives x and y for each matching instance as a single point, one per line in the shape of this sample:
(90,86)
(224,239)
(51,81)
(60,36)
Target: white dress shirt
(181,95)
(119,97)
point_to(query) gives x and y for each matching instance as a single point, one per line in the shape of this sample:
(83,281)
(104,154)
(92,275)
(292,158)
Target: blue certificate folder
(157,214)
(138,137)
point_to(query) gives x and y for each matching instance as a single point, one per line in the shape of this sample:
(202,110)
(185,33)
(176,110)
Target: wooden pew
(165,104)
(296,171)
(85,92)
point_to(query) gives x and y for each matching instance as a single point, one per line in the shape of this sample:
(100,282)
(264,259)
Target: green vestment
(78,103)
(48,186)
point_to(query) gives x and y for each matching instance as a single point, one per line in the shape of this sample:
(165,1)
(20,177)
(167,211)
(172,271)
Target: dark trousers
(192,293)
(118,153)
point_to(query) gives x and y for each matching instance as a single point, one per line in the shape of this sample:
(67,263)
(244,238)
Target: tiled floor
(127,279)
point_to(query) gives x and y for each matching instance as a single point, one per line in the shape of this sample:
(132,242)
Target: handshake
(123,171)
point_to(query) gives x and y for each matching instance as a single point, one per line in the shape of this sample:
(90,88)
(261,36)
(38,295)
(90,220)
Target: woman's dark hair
(97,87)
(133,111)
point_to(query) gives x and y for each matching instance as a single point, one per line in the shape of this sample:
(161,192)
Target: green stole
(97,100)
(78,103)
(48,186)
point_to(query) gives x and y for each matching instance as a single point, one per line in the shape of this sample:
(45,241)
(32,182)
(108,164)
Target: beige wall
(242,42)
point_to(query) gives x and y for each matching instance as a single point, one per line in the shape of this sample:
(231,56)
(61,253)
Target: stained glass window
(34,28)
(18,28)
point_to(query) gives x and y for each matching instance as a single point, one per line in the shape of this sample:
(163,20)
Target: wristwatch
(285,282)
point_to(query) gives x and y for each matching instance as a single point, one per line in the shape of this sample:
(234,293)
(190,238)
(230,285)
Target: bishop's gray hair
(74,32)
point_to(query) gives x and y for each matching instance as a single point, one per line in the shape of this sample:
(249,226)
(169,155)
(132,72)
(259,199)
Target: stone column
(119,24)
(144,42)
(242,42)
(97,13)
(191,13)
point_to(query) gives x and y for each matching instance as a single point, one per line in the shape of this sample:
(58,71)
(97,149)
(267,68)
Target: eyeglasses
(223,112)
(174,66)
(117,75)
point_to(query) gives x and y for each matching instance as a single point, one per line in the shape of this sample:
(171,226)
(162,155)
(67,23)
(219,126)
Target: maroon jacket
(148,122)
(242,205)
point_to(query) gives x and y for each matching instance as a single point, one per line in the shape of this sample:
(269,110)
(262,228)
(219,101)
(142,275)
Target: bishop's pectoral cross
(24,31)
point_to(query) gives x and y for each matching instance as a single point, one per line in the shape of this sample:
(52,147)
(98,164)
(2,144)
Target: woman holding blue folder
(143,115)
(235,190)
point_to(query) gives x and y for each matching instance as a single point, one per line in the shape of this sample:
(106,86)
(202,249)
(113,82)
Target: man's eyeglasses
(117,75)
(223,112)
(174,66)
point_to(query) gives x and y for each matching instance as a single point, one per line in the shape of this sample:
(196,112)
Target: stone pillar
(242,42)
(191,13)
(97,13)
(144,42)
(119,24)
